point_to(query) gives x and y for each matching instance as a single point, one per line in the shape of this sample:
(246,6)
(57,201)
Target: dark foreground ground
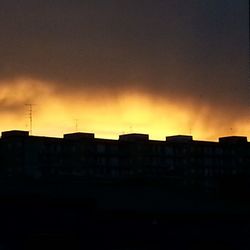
(35,221)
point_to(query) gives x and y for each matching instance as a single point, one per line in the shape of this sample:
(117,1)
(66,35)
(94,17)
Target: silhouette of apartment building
(179,160)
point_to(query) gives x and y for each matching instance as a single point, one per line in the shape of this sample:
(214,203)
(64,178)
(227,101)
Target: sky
(161,67)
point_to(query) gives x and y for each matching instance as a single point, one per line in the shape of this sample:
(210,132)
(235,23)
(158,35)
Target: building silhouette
(179,161)
(130,192)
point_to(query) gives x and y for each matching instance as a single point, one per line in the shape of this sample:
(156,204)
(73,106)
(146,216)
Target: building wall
(193,164)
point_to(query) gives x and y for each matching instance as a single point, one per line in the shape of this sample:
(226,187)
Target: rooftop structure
(79,136)
(14,133)
(179,138)
(134,137)
(233,139)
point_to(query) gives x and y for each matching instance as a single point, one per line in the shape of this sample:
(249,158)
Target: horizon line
(82,134)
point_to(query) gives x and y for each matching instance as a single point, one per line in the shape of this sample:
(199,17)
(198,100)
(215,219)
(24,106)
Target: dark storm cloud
(196,50)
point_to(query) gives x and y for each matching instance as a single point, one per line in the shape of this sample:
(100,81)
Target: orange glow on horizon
(107,116)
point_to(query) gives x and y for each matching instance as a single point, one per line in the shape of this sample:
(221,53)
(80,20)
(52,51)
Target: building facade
(179,161)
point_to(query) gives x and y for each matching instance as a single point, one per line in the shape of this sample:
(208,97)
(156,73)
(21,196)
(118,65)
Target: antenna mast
(30,106)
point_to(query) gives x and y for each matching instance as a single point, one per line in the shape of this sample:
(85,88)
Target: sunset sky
(161,67)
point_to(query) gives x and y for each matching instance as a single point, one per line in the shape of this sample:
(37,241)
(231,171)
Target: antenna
(30,106)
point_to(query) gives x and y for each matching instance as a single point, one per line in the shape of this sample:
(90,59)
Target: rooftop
(132,137)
